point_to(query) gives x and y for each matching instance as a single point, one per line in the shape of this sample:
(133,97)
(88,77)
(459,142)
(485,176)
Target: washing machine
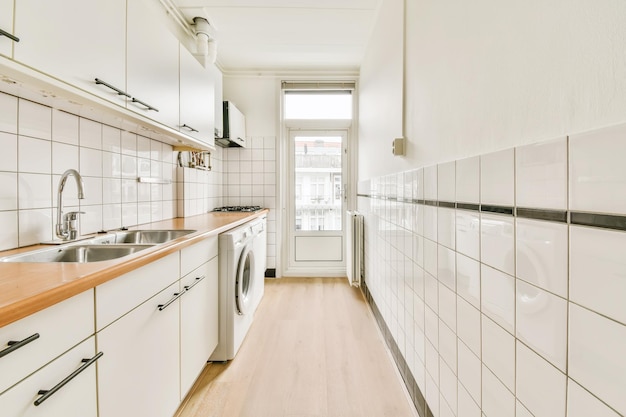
(241,285)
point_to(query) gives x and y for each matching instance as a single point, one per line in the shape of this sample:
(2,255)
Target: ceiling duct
(206,43)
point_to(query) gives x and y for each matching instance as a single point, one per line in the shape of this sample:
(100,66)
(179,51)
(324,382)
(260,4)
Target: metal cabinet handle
(196,282)
(117,90)
(10,36)
(177,295)
(185,125)
(45,394)
(13,345)
(149,107)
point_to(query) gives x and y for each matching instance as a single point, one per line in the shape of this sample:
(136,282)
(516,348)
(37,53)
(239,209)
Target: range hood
(234,127)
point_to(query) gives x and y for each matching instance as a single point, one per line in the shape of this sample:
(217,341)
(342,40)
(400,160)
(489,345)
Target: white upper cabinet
(6,24)
(197,101)
(219,109)
(152,64)
(75,41)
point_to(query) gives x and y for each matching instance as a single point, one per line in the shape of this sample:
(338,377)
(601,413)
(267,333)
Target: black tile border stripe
(418,398)
(605,221)
(578,218)
(540,214)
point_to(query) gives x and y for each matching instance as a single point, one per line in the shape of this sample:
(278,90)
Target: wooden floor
(313,351)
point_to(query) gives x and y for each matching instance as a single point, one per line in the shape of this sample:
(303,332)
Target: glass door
(317,202)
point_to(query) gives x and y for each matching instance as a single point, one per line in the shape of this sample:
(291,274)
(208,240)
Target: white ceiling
(288,35)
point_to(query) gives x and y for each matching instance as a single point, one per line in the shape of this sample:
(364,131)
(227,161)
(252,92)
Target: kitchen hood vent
(234,127)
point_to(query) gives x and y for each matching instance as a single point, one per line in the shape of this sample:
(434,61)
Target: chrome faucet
(66,228)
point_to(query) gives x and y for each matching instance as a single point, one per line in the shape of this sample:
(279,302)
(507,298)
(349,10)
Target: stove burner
(238,208)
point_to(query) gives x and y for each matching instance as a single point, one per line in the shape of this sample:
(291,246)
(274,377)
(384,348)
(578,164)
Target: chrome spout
(66,224)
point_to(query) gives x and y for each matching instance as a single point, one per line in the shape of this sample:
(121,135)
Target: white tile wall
(540,318)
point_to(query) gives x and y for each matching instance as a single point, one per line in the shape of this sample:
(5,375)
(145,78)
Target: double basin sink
(101,248)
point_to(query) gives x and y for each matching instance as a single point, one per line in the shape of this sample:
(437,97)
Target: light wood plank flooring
(313,351)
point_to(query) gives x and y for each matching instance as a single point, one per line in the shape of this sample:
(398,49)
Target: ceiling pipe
(205,41)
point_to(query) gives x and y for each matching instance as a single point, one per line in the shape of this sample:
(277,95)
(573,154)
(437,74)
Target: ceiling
(288,35)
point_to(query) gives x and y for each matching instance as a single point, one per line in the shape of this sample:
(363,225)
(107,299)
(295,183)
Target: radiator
(355,247)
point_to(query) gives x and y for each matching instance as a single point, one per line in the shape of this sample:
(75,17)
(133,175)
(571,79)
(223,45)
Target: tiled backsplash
(39,143)
(250,179)
(499,279)
(200,191)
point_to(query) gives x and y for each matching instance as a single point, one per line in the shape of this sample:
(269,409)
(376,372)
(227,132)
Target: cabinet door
(139,372)
(76,41)
(198,322)
(6,24)
(77,398)
(219,108)
(196,99)
(152,64)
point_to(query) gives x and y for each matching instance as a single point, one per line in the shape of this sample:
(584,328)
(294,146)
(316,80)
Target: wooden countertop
(26,288)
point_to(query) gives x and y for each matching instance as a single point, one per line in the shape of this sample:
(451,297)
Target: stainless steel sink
(149,236)
(77,253)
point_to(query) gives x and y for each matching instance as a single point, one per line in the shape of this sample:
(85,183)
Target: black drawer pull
(13,345)
(149,107)
(10,36)
(196,282)
(177,295)
(45,394)
(117,90)
(190,128)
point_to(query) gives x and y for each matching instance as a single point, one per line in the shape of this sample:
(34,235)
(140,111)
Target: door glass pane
(321,105)
(318,182)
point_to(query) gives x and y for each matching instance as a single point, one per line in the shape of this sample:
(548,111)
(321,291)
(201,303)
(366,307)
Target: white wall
(257,98)
(486,75)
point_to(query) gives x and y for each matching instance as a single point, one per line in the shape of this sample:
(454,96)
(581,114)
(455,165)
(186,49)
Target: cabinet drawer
(120,295)
(77,398)
(53,330)
(194,256)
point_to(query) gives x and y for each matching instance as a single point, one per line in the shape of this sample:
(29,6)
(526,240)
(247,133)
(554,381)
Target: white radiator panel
(355,247)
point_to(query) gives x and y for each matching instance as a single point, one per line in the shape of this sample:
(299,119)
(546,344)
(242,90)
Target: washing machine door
(244,286)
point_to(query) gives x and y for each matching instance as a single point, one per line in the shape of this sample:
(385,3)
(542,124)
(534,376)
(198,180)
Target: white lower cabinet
(139,373)
(74,398)
(198,322)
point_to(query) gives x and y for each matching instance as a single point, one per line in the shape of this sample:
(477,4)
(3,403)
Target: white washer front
(237,283)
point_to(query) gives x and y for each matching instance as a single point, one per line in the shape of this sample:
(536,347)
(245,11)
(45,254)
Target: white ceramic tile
(418,219)
(64,127)
(542,254)
(8,191)
(90,162)
(112,191)
(418,184)
(596,357)
(34,155)
(468,180)
(91,221)
(447,345)
(580,403)
(432,395)
(431,289)
(467,406)
(447,306)
(469,366)
(8,156)
(448,386)
(534,378)
(541,322)
(446,182)
(497,174)
(432,361)
(430,223)
(597,170)
(468,279)
(468,233)
(156,211)
(143,169)
(128,143)
(541,175)
(430,183)
(498,297)
(431,326)
(8,237)
(446,228)
(111,139)
(468,325)
(156,150)
(35,120)
(143,147)
(168,155)
(430,257)
(8,113)
(445,410)
(521,411)
(129,214)
(35,226)
(598,268)
(418,310)
(497,400)
(34,190)
(92,188)
(143,192)
(497,243)
(90,133)
(64,157)
(129,166)
(446,267)
(498,352)
(111,216)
